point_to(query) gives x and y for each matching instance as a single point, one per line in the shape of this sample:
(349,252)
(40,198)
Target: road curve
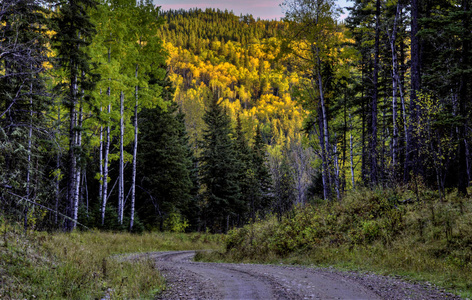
(194,280)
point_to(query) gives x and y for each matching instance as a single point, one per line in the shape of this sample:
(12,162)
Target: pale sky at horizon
(264,9)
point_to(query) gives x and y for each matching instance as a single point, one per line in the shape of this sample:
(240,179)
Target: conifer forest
(117,115)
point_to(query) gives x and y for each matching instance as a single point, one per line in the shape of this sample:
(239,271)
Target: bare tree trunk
(105,168)
(78,170)
(135,153)
(373,137)
(336,170)
(464,99)
(72,154)
(104,193)
(58,166)
(100,158)
(28,171)
(324,132)
(351,154)
(411,151)
(121,193)
(395,83)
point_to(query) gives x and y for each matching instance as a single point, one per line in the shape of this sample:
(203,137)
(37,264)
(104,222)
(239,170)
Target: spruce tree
(246,174)
(165,164)
(219,171)
(74,31)
(263,198)
(23,98)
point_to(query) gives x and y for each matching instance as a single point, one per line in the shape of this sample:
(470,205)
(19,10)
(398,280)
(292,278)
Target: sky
(264,9)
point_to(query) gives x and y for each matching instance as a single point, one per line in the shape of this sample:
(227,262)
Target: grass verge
(80,265)
(390,232)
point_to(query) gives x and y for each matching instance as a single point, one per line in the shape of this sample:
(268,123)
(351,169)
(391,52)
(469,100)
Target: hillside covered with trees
(117,115)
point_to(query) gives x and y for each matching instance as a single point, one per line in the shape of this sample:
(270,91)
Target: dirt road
(194,280)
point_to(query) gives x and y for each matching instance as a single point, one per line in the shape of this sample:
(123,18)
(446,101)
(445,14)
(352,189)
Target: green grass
(81,265)
(426,240)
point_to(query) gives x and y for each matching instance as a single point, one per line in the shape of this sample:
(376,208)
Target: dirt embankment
(194,280)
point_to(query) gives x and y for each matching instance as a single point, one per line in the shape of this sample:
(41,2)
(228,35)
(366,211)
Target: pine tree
(219,172)
(263,198)
(23,53)
(165,164)
(73,33)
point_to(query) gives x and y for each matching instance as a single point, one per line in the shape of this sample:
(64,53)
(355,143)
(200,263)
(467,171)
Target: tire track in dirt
(196,280)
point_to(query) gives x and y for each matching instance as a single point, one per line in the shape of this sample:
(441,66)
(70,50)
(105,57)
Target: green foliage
(219,170)
(383,225)
(175,222)
(84,265)
(165,164)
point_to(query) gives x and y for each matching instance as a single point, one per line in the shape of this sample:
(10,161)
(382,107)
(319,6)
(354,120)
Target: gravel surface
(196,280)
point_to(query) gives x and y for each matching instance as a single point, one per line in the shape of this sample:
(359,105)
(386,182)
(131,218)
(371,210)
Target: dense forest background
(117,115)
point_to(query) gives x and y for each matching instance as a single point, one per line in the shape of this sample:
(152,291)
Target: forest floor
(186,279)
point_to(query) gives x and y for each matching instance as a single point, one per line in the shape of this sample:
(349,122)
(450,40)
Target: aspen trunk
(104,191)
(121,193)
(100,158)
(325,137)
(58,166)
(351,154)
(135,153)
(78,170)
(72,155)
(105,168)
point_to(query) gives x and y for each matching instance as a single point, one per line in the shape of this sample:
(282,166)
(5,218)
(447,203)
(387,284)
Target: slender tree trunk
(411,151)
(464,98)
(324,131)
(351,154)
(28,171)
(373,137)
(135,153)
(100,158)
(58,166)
(79,170)
(104,194)
(121,192)
(336,170)
(395,84)
(72,153)
(105,167)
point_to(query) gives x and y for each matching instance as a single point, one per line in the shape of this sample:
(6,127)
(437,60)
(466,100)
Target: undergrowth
(395,231)
(83,265)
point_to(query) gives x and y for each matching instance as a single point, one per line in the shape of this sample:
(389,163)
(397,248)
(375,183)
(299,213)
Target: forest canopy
(117,115)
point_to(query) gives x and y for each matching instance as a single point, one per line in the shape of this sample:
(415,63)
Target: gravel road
(195,280)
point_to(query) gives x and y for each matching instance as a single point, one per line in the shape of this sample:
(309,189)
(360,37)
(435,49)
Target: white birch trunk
(104,192)
(121,174)
(58,166)
(100,158)
(105,168)
(325,145)
(135,152)
(72,156)
(78,170)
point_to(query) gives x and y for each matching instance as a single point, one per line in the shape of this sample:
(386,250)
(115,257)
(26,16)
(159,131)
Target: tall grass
(387,231)
(83,265)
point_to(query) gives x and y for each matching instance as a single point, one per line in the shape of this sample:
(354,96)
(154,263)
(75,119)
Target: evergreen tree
(219,171)
(263,181)
(73,33)
(165,164)
(23,96)
(246,176)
